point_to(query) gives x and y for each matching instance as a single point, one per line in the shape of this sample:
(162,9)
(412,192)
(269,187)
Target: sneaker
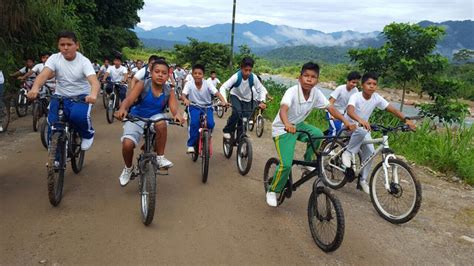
(190,150)
(272,199)
(365,186)
(347,158)
(125,176)
(86,143)
(308,168)
(1,129)
(163,162)
(227,136)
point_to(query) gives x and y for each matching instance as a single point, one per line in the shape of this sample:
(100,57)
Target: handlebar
(311,139)
(77,99)
(133,118)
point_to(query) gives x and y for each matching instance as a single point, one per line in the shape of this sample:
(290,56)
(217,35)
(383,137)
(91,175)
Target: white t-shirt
(25,70)
(214,81)
(342,97)
(298,107)
(2,79)
(140,75)
(201,96)
(243,90)
(189,78)
(71,76)
(134,70)
(103,68)
(117,74)
(96,67)
(38,68)
(363,107)
(180,74)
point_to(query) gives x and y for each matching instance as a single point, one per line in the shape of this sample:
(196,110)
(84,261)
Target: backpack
(239,81)
(147,88)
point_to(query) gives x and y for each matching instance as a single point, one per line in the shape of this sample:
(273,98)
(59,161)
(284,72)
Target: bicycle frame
(203,126)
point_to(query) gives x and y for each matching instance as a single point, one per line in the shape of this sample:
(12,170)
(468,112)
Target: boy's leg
(131,137)
(80,118)
(194,123)
(234,117)
(210,119)
(285,146)
(52,115)
(356,140)
(314,132)
(332,126)
(365,152)
(246,107)
(122,92)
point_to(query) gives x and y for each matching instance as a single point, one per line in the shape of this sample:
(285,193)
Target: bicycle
(5,113)
(243,143)
(64,143)
(218,107)
(257,121)
(40,106)
(113,102)
(147,167)
(22,102)
(386,178)
(323,206)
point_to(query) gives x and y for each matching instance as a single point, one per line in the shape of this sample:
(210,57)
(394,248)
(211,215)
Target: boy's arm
(95,86)
(352,114)
(222,99)
(125,76)
(335,113)
(129,100)
(290,128)
(174,107)
(226,86)
(401,116)
(39,82)
(184,98)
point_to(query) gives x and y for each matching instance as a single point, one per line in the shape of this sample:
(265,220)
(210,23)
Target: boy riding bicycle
(75,77)
(153,95)
(117,73)
(296,104)
(359,109)
(199,91)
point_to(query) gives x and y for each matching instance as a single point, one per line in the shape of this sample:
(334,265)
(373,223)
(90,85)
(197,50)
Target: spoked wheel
(37,113)
(244,156)
(260,126)
(401,202)
(331,165)
(220,111)
(251,124)
(110,109)
(227,147)
(44,131)
(56,168)
(326,219)
(205,156)
(269,172)
(148,193)
(77,154)
(5,115)
(21,105)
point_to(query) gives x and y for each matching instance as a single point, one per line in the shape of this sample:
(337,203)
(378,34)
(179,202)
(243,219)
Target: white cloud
(264,41)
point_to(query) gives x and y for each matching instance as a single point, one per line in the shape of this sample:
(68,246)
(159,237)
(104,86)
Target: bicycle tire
(21,105)
(220,111)
(251,125)
(267,176)
(205,156)
(415,204)
(56,170)
(195,154)
(242,153)
(109,112)
(77,154)
(316,216)
(148,193)
(227,147)
(104,97)
(327,170)
(260,126)
(5,113)
(44,132)
(35,110)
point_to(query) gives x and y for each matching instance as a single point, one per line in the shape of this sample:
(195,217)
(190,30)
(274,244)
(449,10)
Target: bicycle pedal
(162,171)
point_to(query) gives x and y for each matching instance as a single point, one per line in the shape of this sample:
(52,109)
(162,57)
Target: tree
(463,55)
(405,56)
(213,55)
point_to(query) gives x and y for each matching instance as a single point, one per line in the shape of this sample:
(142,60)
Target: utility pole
(232,37)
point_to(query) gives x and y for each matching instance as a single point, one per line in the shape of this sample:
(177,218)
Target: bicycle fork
(386,166)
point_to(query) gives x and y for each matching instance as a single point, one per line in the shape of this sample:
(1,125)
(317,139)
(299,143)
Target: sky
(327,16)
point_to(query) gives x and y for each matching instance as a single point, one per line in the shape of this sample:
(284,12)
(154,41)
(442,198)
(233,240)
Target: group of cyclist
(152,93)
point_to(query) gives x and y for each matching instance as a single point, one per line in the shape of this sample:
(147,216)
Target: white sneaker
(1,129)
(125,176)
(227,135)
(365,186)
(163,162)
(308,168)
(272,199)
(190,150)
(86,143)
(347,158)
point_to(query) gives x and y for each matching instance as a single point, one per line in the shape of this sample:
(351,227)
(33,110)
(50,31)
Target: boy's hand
(186,102)
(365,124)
(121,114)
(350,127)
(262,106)
(91,99)
(32,94)
(410,124)
(290,128)
(179,118)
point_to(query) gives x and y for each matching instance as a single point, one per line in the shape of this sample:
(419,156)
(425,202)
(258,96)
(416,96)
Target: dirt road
(225,221)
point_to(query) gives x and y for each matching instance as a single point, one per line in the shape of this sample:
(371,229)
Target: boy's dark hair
(160,62)
(106,59)
(118,58)
(247,62)
(353,75)
(199,66)
(48,53)
(310,66)
(29,58)
(155,58)
(370,75)
(67,34)
(213,72)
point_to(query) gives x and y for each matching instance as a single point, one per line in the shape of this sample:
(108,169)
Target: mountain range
(263,37)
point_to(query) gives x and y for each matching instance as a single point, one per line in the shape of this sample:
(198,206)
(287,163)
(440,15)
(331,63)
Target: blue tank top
(149,106)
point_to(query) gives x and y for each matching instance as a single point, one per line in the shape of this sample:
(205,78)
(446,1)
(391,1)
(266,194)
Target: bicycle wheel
(244,156)
(56,168)
(109,112)
(331,165)
(220,111)
(44,132)
(269,172)
(402,202)
(251,124)
(326,219)
(260,126)
(195,155)
(77,154)
(205,156)
(227,147)
(21,106)
(36,114)
(104,99)
(148,193)
(5,115)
